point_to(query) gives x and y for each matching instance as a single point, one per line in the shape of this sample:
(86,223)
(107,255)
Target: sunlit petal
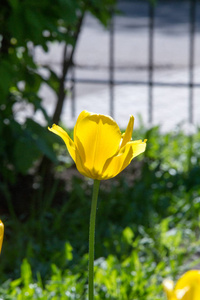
(168,286)
(189,278)
(68,141)
(97,138)
(128,133)
(82,115)
(118,163)
(190,282)
(187,287)
(1,234)
(185,293)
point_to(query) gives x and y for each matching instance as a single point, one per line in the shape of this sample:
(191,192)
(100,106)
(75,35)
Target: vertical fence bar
(73,94)
(191,58)
(111,65)
(151,62)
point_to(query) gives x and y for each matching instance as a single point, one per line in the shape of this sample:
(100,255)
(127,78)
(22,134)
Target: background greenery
(24,25)
(147,228)
(148,216)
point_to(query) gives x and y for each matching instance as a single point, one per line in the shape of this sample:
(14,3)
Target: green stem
(92,238)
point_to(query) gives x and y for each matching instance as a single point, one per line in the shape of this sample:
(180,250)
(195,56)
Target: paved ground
(170,106)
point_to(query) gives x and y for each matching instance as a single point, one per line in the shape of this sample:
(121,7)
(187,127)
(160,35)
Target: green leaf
(26,273)
(68,251)
(26,153)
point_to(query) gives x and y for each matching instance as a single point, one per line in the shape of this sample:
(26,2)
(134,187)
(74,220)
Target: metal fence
(150,82)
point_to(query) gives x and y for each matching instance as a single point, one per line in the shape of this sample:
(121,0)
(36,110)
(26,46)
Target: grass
(147,228)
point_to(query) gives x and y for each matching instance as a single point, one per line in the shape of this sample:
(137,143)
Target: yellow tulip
(99,150)
(186,288)
(1,234)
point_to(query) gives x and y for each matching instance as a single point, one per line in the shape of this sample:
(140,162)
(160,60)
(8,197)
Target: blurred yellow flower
(99,150)
(1,234)
(186,288)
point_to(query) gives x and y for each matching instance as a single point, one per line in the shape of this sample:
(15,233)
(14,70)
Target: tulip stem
(92,238)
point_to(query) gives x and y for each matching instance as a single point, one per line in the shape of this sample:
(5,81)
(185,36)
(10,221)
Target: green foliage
(26,25)
(147,218)
(147,229)
(137,276)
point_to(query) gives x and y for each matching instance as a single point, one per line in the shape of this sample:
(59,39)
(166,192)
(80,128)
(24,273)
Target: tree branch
(67,63)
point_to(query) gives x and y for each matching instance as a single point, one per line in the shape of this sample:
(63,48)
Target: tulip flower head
(186,288)
(1,234)
(99,150)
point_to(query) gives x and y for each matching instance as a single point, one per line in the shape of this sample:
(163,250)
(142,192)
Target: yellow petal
(128,133)
(118,163)
(97,141)
(97,138)
(183,294)
(82,115)
(1,234)
(190,284)
(189,278)
(81,168)
(168,286)
(68,141)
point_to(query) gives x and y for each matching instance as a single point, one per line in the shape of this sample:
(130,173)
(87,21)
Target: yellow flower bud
(1,234)
(99,149)
(187,287)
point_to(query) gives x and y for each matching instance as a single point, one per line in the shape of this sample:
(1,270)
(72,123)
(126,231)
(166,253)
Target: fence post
(73,95)
(151,63)
(191,58)
(111,65)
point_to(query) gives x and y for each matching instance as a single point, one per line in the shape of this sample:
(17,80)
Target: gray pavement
(170,105)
